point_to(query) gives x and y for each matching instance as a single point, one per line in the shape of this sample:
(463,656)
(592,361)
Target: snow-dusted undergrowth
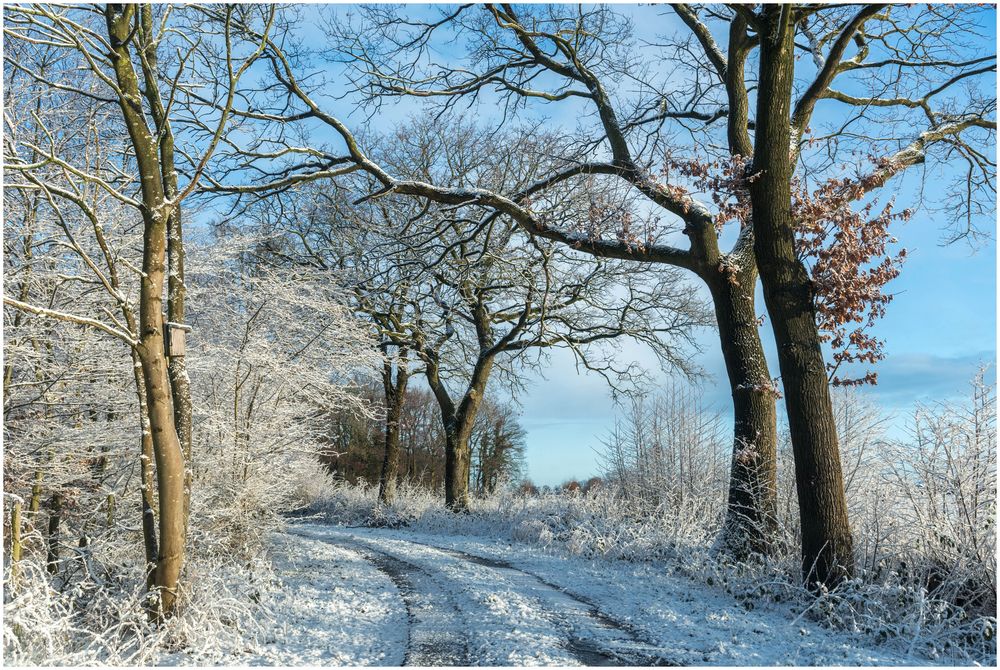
(93,612)
(924,587)
(100,619)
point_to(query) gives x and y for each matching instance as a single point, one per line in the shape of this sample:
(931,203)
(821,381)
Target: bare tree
(509,57)
(113,68)
(465,298)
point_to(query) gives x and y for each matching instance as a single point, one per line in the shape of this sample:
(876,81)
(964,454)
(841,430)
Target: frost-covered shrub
(102,619)
(533,531)
(260,399)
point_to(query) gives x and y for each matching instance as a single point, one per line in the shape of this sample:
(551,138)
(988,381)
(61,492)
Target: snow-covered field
(367,596)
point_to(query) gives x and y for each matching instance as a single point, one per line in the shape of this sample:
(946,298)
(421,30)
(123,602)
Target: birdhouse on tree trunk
(173,340)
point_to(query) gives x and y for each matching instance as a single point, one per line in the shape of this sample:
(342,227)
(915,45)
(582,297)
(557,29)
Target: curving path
(367,596)
(464,609)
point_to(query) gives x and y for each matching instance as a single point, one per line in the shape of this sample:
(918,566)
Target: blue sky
(939,329)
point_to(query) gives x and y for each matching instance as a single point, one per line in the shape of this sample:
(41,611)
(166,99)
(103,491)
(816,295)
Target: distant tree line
(354,448)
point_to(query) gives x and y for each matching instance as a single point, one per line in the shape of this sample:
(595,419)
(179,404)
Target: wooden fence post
(15,541)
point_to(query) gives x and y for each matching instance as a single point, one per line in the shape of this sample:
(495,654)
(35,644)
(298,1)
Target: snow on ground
(332,608)
(360,596)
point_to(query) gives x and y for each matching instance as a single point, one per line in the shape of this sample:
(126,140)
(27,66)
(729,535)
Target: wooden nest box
(173,340)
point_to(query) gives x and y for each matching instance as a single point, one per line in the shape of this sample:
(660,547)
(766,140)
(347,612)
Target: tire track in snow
(635,651)
(432,615)
(589,636)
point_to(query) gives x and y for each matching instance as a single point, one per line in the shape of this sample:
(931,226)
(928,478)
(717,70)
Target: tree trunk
(458,424)
(390,459)
(456,472)
(36,494)
(109,510)
(166,447)
(395,396)
(180,383)
(751,513)
(146,484)
(180,386)
(15,541)
(458,431)
(55,516)
(827,547)
(167,450)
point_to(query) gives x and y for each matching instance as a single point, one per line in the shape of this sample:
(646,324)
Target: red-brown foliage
(851,264)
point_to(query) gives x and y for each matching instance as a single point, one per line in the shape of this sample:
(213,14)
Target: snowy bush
(532,531)
(78,595)
(102,619)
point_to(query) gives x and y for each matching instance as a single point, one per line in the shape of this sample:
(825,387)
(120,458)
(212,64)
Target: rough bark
(458,431)
(827,547)
(751,514)
(458,423)
(732,279)
(738,118)
(395,396)
(167,451)
(456,474)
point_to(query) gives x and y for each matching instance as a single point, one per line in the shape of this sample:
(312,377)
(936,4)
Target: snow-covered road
(365,596)
(465,609)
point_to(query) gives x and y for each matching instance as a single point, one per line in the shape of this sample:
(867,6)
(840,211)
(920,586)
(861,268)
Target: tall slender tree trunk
(156,209)
(16,545)
(55,517)
(146,472)
(827,546)
(395,397)
(166,446)
(180,383)
(751,513)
